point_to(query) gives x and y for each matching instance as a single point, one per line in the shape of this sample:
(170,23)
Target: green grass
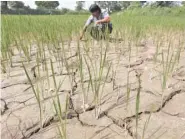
(52,29)
(42,29)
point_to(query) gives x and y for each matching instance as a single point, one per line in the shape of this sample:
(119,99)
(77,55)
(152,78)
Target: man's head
(95,10)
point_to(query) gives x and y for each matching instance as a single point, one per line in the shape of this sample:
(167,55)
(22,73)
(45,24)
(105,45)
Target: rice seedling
(146,126)
(36,93)
(114,71)
(138,101)
(97,70)
(81,71)
(62,116)
(169,63)
(157,52)
(69,68)
(128,72)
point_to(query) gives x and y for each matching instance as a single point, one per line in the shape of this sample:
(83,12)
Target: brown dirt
(20,111)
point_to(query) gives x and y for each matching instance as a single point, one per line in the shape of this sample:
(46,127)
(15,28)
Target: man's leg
(106,30)
(95,32)
(101,32)
(110,27)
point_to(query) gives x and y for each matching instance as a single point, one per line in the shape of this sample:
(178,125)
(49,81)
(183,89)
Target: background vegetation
(140,7)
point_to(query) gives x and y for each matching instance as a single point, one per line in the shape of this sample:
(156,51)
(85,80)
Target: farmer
(101,22)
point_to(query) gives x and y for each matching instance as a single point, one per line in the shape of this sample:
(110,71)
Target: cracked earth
(165,108)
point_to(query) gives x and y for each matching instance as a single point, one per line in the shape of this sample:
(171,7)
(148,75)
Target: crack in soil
(70,114)
(54,119)
(5,107)
(137,63)
(3,87)
(166,100)
(34,74)
(123,123)
(84,123)
(6,104)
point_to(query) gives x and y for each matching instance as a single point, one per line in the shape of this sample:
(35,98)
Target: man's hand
(81,37)
(82,34)
(98,22)
(105,20)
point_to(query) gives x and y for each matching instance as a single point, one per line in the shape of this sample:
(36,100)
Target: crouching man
(101,22)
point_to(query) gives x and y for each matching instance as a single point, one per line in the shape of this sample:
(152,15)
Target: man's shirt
(92,19)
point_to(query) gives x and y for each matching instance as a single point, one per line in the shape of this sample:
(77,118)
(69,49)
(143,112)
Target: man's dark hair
(94,8)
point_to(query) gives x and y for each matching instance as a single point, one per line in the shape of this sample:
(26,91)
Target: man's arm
(88,22)
(105,20)
(83,32)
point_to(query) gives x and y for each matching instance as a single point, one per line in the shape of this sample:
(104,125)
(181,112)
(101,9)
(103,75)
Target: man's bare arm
(83,32)
(105,20)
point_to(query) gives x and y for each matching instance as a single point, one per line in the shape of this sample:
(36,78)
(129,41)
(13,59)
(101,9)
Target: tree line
(51,7)
(43,7)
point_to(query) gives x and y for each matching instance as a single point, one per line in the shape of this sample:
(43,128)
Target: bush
(151,11)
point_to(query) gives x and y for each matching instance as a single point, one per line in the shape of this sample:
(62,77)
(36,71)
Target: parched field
(129,87)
